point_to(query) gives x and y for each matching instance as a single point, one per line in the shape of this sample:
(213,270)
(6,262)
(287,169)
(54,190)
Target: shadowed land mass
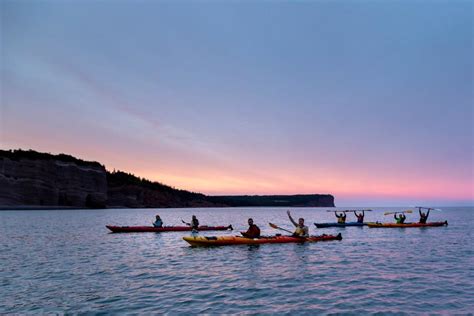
(30,179)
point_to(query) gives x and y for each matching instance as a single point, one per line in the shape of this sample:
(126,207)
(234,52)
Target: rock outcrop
(58,181)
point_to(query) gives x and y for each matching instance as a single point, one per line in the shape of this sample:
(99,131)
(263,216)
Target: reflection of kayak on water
(151,229)
(406,225)
(237,240)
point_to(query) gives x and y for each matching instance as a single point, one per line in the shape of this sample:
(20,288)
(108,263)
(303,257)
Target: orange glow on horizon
(221,179)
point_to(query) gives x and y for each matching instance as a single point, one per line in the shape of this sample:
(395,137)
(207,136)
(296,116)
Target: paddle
(276,227)
(185,222)
(407,211)
(428,208)
(286,230)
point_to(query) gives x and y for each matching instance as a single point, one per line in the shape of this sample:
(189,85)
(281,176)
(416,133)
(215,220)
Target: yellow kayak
(237,240)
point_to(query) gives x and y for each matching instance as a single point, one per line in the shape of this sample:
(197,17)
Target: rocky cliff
(28,178)
(36,180)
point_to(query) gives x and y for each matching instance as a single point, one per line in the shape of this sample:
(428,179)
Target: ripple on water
(53,269)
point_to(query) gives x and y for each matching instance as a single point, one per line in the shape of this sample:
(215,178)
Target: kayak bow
(151,229)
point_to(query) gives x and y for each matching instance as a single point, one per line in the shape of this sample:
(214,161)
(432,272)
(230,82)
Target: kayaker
(360,217)
(341,218)
(423,216)
(194,223)
(400,219)
(301,230)
(253,231)
(158,222)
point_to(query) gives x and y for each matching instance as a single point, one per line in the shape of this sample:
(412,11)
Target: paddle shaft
(286,230)
(277,227)
(350,211)
(390,213)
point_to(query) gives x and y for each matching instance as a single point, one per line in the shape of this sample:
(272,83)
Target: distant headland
(34,180)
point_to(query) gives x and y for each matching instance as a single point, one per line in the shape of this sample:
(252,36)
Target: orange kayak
(406,225)
(237,240)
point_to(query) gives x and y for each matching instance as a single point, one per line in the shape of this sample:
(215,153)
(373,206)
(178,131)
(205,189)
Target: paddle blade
(408,211)
(273,226)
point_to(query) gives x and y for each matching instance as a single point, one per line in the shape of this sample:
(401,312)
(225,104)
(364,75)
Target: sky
(371,101)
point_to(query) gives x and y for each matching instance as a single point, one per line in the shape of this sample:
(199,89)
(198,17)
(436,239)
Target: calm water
(67,262)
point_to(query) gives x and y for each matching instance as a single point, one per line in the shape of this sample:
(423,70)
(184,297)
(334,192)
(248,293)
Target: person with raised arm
(341,218)
(400,219)
(360,216)
(423,216)
(301,230)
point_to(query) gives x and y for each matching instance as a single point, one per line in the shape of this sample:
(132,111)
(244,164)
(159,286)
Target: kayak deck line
(152,229)
(237,240)
(407,225)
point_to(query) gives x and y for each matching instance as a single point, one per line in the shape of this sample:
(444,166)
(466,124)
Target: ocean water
(67,262)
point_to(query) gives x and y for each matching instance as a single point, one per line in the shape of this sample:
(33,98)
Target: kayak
(237,240)
(406,225)
(325,225)
(151,229)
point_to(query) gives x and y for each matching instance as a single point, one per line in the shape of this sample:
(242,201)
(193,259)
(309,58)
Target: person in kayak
(194,223)
(301,230)
(341,218)
(253,231)
(423,216)
(360,217)
(158,222)
(400,219)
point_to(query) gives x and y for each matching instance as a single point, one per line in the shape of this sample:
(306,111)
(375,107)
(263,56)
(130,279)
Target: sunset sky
(371,101)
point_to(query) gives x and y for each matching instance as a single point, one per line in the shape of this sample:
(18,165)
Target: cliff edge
(29,178)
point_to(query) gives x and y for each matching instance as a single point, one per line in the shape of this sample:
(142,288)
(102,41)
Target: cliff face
(34,180)
(38,182)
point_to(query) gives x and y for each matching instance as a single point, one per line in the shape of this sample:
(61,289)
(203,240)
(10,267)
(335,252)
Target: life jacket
(301,231)
(341,219)
(253,232)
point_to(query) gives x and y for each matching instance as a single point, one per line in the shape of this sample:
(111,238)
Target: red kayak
(151,229)
(406,225)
